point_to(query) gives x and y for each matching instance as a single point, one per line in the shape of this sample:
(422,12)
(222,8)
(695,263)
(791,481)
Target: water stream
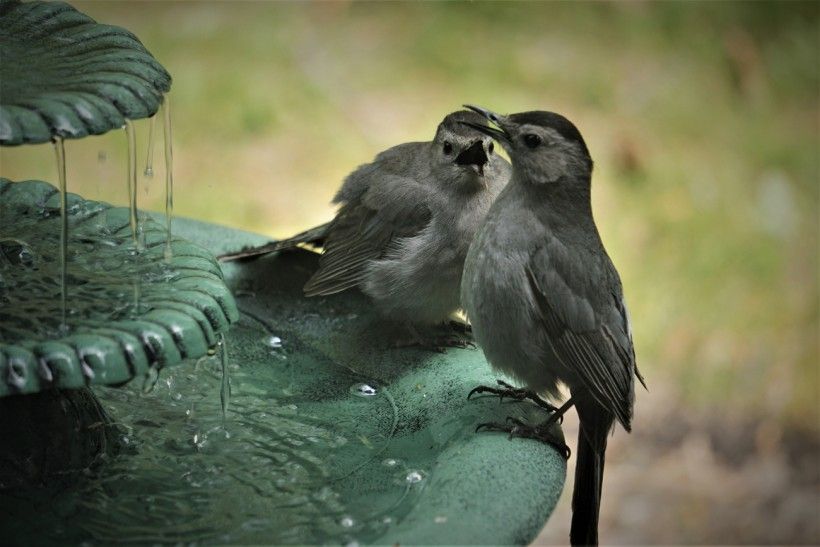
(149,157)
(59,149)
(132,180)
(169,172)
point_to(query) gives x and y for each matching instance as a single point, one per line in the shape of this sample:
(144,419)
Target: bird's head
(461,153)
(544,147)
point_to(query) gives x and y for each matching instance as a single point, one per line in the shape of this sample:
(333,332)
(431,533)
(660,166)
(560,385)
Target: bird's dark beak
(501,135)
(474,155)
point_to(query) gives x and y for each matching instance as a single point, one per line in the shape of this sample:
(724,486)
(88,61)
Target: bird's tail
(314,236)
(596,423)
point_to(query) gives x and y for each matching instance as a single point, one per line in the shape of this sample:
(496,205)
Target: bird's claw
(518,394)
(518,428)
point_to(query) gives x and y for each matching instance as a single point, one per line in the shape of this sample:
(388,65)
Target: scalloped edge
(175,329)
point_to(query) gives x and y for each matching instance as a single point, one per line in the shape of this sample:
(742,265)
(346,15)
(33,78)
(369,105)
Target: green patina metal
(126,311)
(64,75)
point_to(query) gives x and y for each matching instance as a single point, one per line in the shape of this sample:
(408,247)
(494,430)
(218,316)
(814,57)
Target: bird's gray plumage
(544,299)
(405,222)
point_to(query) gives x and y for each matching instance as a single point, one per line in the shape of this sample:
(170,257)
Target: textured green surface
(126,312)
(305,454)
(477,488)
(64,75)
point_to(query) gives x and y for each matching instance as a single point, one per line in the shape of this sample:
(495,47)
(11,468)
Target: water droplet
(414,477)
(274,342)
(347,522)
(363,390)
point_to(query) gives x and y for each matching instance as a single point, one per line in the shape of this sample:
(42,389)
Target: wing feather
(378,207)
(579,323)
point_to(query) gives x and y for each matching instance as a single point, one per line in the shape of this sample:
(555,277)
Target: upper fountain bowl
(64,75)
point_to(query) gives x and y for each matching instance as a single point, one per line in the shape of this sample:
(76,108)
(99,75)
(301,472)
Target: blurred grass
(702,118)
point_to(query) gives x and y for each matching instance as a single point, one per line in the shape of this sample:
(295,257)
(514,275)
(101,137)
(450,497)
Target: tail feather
(596,423)
(314,236)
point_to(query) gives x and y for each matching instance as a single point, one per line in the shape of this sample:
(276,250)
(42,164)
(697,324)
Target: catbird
(545,300)
(405,223)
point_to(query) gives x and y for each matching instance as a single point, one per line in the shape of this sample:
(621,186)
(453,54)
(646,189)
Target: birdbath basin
(329,437)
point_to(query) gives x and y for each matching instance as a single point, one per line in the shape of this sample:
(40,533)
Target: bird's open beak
(474,155)
(499,134)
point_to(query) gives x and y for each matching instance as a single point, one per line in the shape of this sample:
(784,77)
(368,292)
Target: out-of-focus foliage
(702,119)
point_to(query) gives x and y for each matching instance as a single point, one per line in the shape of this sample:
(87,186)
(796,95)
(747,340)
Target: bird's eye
(448,148)
(491,147)
(532,140)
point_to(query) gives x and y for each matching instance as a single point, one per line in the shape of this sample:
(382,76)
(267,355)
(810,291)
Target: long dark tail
(596,423)
(315,236)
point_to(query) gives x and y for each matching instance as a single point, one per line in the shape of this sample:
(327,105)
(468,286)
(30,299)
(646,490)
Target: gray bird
(545,300)
(405,223)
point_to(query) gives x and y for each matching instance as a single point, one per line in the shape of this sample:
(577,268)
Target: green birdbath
(329,437)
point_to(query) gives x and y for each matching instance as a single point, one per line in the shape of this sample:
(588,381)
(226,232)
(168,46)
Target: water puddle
(298,457)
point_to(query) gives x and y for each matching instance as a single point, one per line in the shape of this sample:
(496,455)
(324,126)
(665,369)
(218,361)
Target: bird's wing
(313,237)
(386,207)
(580,303)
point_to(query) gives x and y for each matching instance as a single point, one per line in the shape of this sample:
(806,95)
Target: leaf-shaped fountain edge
(64,75)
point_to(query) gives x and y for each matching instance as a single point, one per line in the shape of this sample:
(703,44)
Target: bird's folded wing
(390,208)
(581,307)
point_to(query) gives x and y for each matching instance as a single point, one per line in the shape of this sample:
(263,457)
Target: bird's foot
(515,393)
(542,432)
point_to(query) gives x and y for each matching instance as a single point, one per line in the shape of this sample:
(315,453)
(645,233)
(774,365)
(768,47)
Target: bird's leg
(541,432)
(516,393)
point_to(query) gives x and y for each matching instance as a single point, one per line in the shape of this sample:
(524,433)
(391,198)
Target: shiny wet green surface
(328,437)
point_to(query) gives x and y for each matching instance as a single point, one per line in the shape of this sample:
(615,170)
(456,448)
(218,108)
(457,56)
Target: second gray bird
(546,302)
(405,223)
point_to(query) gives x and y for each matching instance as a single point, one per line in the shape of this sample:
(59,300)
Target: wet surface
(326,437)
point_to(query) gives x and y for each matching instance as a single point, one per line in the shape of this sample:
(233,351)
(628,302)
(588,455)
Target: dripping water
(59,149)
(132,180)
(149,157)
(225,391)
(169,173)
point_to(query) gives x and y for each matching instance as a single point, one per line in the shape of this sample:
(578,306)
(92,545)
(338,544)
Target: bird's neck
(572,194)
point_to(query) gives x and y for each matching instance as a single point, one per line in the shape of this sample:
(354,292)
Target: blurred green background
(702,118)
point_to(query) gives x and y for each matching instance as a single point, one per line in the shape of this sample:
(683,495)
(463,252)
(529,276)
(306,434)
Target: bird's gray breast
(499,301)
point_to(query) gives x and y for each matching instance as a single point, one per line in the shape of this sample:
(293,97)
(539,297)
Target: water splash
(132,179)
(414,477)
(363,390)
(169,172)
(225,390)
(59,149)
(149,156)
